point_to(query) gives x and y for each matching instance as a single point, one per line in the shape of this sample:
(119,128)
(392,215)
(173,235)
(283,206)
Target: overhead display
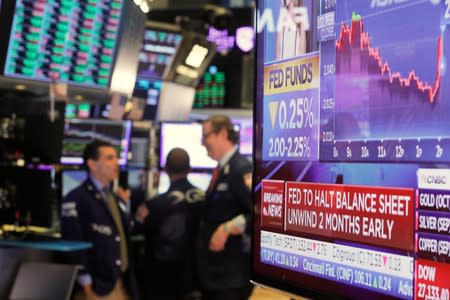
(351,149)
(67,41)
(210,92)
(158,49)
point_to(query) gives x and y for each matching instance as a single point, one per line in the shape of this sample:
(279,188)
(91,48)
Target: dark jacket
(85,216)
(230,197)
(171,228)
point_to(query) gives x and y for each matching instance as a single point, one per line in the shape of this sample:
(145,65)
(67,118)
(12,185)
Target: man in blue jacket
(92,213)
(223,246)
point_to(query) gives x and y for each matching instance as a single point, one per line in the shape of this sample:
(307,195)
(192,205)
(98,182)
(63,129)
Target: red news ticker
(372,215)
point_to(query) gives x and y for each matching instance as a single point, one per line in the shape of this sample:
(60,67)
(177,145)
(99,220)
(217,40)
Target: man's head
(101,161)
(218,136)
(178,163)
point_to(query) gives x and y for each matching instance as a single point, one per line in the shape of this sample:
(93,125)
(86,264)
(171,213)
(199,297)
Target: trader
(92,213)
(223,245)
(171,224)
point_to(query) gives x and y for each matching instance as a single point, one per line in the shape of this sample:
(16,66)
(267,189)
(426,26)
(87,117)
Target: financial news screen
(352,148)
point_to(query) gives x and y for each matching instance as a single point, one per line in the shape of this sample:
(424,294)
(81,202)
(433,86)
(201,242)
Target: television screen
(72,41)
(72,179)
(245,136)
(351,162)
(139,145)
(80,132)
(141,131)
(158,49)
(136,176)
(160,44)
(139,152)
(200,180)
(187,136)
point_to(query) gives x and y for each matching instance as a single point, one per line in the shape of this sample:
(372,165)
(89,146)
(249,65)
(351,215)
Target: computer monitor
(80,132)
(187,136)
(245,135)
(163,182)
(139,145)
(139,152)
(161,41)
(34,279)
(136,177)
(199,179)
(71,179)
(160,44)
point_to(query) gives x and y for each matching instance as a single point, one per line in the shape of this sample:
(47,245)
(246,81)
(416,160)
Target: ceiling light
(188,72)
(196,56)
(144,7)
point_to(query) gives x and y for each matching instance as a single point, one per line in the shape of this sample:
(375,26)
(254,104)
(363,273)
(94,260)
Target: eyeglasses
(206,135)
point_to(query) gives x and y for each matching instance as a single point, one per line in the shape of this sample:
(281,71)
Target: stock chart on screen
(384,76)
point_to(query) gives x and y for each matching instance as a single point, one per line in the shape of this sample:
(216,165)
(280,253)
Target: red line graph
(349,35)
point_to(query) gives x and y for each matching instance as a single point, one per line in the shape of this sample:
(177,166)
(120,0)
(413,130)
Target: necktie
(114,209)
(215,176)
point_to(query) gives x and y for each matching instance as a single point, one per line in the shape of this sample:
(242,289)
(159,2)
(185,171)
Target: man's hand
(218,239)
(142,212)
(87,289)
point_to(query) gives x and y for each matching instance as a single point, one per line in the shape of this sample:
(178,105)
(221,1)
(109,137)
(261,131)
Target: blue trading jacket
(229,197)
(85,216)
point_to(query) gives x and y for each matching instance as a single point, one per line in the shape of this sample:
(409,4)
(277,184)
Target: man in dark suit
(171,224)
(92,213)
(223,245)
